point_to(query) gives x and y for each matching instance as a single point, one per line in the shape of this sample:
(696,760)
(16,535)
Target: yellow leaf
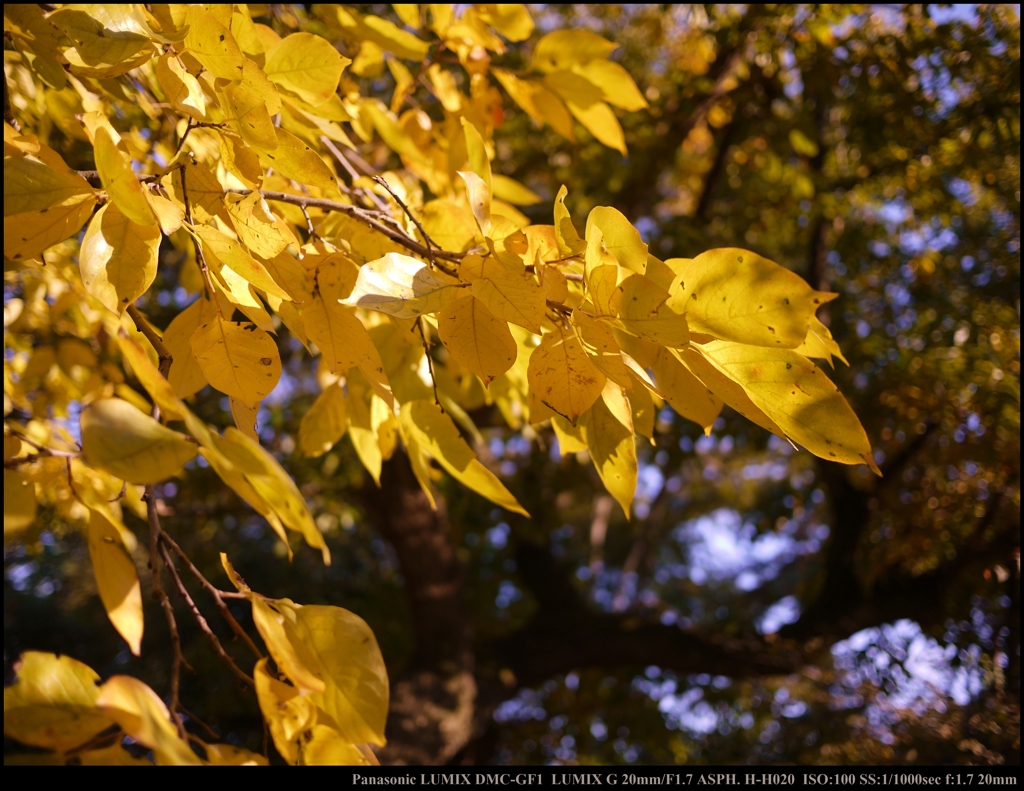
(227,251)
(723,387)
(476,151)
(169,216)
(402,287)
(291,655)
(244,417)
(569,241)
(381,32)
(120,180)
(345,343)
(512,20)
(118,258)
(241,160)
(31,185)
(435,432)
(212,44)
(644,412)
(602,287)
(479,195)
(205,194)
(685,392)
(538,102)
(509,292)
(798,397)
(287,712)
(620,238)
(324,423)
(604,352)
(306,65)
(186,375)
(53,702)
(371,424)
(475,338)
(114,755)
(239,294)
(182,89)
(819,343)
(295,160)
(565,48)
(327,747)
(571,439)
(19,501)
(409,13)
(100,50)
(644,311)
(613,447)
(256,226)
(349,661)
(143,716)
(116,579)
(159,389)
(270,481)
(507,189)
(450,224)
(240,360)
(562,375)
(120,439)
(600,121)
(27,235)
(736,295)
(616,84)
(292,277)
(247,109)
(229,755)
(233,476)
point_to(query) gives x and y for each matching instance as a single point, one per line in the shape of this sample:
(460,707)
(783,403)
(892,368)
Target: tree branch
(204,627)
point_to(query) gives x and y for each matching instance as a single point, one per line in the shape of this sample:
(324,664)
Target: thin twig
(426,237)
(212,733)
(163,354)
(353,174)
(161,596)
(218,595)
(43,453)
(204,627)
(200,258)
(430,362)
(124,491)
(184,137)
(360,214)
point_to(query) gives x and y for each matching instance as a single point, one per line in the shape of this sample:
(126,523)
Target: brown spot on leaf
(266,361)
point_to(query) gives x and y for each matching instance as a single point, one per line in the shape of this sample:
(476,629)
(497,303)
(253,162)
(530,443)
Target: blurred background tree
(763,606)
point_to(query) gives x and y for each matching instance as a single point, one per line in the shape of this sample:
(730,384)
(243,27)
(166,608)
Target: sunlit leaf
(53,703)
(435,432)
(118,258)
(120,439)
(475,338)
(116,578)
(306,65)
(563,376)
(739,296)
(324,423)
(240,360)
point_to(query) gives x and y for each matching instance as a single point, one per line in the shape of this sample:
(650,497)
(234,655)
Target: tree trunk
(433,700)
